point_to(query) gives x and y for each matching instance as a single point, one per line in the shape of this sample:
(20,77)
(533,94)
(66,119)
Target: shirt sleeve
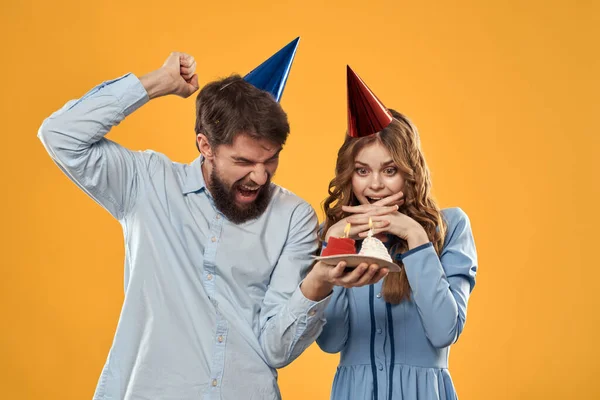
(441,286)
(74,138)
(289,321)
(334,336)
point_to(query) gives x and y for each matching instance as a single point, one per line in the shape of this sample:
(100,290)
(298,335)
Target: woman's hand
(392,221)
(379,208)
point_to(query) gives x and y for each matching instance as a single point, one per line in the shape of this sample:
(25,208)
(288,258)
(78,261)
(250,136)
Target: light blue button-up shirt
(211,308)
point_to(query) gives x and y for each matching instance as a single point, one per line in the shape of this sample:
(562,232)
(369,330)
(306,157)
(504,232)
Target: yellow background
(504,94)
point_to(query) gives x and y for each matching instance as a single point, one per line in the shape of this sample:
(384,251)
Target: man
(216,254)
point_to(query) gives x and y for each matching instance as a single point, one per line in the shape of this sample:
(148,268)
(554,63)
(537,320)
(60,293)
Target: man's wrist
(156,83)
(315,288)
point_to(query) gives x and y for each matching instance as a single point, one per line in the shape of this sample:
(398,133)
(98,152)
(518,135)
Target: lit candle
(347,230)
(370,234)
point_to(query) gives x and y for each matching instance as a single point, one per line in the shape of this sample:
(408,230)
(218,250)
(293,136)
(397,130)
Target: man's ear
(204,146)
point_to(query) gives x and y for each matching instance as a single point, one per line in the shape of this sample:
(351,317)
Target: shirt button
(218,216)
(312,313)
(378,295)
(379,330)
(379,367)
(209,277)
(214,382)
(220,339)
(213,239)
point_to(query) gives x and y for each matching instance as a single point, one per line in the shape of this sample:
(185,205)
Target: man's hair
(232,106)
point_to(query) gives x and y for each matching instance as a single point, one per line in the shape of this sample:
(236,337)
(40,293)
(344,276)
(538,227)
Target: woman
(394,335)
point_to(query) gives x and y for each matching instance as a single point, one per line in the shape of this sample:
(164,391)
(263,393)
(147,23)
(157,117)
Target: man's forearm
(157,83)
(315,289)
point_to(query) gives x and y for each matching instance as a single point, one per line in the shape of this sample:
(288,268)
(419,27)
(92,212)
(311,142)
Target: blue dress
(401,351)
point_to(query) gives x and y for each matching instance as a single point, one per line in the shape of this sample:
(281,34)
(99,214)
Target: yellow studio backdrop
(504,93)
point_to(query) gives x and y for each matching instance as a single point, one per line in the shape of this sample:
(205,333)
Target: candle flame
(370,223)
(347,230)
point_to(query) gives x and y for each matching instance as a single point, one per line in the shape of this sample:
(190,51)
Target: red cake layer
(336,246)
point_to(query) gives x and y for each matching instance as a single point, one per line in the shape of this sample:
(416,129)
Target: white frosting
(373,247)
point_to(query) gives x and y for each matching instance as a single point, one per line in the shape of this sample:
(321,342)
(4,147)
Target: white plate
(352,260)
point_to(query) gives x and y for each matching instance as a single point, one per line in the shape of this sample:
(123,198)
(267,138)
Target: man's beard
(225,199)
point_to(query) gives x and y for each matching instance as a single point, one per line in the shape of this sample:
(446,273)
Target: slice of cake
(373,247)
(338,246)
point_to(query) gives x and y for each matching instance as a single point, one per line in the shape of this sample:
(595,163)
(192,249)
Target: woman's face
(375,174)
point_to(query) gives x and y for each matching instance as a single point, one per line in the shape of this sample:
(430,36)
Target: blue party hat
(272,74)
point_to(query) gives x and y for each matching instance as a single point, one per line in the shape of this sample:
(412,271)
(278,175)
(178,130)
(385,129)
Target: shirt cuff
(413,251)
(130,92)
(422,265)
(323,247)
(300,306)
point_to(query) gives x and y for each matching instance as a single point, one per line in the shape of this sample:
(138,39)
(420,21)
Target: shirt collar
(194,180)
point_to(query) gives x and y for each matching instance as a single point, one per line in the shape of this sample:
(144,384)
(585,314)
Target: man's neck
(206,169)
